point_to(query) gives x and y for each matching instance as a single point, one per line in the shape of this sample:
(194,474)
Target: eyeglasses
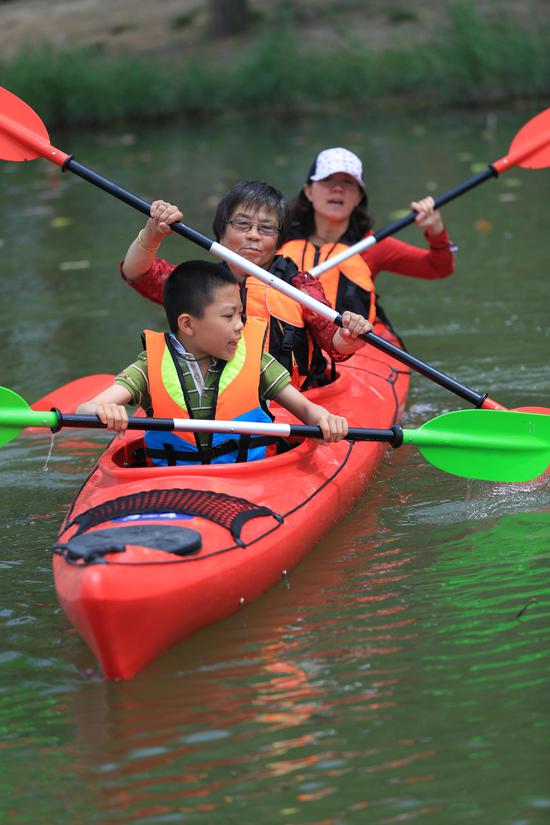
(345,183)
(267,229)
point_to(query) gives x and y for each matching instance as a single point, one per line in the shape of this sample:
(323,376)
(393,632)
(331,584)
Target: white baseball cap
(330,161)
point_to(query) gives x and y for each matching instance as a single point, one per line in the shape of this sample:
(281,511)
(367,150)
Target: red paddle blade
(538,410)
(531,146)
(23,136)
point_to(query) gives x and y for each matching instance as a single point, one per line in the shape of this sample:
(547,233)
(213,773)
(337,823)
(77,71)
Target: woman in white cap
(332,209)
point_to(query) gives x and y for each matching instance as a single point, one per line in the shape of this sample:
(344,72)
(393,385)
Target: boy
(210,366)
(252,219)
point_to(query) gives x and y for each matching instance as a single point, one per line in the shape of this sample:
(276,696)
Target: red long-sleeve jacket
(393,255)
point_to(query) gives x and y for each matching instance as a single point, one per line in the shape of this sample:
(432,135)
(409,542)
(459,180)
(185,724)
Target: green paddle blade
(491,445)
(15,415)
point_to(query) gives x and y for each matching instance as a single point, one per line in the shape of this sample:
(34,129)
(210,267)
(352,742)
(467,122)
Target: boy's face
(254,234)
(219,330)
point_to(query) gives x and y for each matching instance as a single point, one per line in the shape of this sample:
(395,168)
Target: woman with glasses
(331,210)
(252,220)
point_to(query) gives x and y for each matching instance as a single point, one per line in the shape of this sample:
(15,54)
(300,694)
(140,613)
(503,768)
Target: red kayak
(148,555)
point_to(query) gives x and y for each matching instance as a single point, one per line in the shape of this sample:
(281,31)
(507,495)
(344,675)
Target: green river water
(404,676)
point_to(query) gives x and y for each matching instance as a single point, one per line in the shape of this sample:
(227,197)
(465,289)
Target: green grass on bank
(473,63)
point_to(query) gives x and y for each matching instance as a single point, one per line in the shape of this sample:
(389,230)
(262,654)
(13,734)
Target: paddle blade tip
(23,136)
(487,445)
(530,148)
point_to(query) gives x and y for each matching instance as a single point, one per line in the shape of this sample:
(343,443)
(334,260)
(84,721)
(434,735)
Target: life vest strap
(243,447)
(289,339)
(239,445)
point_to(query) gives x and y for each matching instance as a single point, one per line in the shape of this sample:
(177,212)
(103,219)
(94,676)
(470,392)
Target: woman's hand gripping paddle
(530,149)
(24,137)
(482,444)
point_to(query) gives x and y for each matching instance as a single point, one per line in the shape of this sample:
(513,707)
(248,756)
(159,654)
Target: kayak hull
(131,600)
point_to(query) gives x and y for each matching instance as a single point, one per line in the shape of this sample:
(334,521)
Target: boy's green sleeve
(135,379)
(273,377)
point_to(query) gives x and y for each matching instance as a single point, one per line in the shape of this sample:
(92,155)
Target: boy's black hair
(190,287)
(254,195)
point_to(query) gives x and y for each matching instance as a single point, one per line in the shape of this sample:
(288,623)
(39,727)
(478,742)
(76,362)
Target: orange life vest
(348,286)
(263,301)
(288,340)
(237,399)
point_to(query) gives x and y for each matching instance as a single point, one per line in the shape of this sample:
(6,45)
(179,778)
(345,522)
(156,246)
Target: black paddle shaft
(406,220)
(440,378)
(393,436)
(430,372)
(132,200)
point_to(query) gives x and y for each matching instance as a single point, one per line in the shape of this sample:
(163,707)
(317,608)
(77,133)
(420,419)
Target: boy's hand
(114,416)
(333,427)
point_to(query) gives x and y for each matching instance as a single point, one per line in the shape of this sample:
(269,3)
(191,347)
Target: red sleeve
(321,329)
(393,255)
(151,283)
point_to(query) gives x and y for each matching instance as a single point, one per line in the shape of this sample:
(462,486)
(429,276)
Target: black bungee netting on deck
(227,511)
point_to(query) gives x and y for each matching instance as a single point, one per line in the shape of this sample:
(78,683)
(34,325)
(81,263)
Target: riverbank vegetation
(471,62)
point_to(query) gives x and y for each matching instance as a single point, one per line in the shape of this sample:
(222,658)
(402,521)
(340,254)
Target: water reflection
(282,694)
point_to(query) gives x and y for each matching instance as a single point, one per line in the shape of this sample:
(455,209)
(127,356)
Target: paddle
(481,444)
(23,136)
(530,149)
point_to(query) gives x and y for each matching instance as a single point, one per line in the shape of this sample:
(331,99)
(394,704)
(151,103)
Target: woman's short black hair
(253,195)
(191,286)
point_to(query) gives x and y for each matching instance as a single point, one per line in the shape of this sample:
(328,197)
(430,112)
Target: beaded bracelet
(147,248)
